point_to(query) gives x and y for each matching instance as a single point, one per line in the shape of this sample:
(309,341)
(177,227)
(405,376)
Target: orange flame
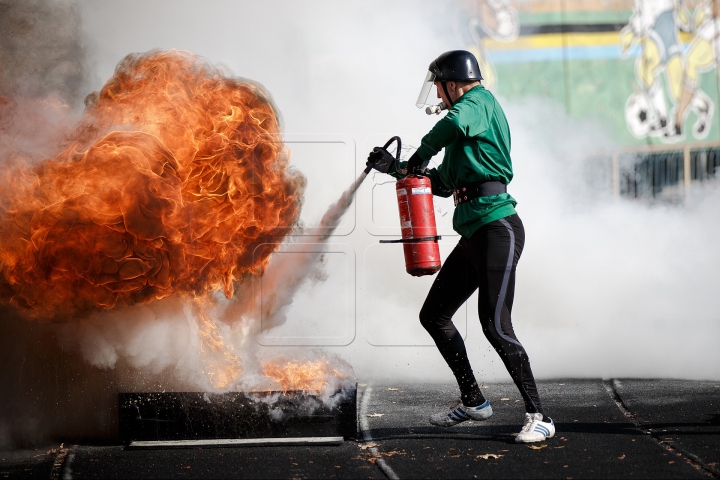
(308,376)
(174,176)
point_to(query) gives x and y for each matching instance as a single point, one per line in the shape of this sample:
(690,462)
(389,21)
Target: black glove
(380,159)
(416,165)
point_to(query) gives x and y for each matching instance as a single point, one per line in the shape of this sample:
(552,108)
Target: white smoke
(621,287)
(286,273)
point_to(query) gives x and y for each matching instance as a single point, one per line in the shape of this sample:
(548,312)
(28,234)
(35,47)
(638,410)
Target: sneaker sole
(534,440)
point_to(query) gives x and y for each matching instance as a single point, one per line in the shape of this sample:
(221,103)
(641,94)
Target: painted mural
(483,19)
(647,69)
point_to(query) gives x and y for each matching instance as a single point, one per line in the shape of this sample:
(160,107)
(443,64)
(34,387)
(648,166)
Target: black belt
(475,190)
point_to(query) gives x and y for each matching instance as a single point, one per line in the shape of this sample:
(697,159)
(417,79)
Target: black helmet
(456,66)
(452,66)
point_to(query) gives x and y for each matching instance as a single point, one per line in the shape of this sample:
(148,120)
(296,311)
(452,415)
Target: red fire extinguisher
(417,222)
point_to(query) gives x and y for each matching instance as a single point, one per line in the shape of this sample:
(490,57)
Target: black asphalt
(616,428)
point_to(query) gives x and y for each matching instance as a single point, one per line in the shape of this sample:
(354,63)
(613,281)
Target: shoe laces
(529,421)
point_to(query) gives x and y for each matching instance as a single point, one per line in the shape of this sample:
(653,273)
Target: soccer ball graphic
(637,114)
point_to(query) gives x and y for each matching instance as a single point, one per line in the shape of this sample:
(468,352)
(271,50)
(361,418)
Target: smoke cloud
(623,287)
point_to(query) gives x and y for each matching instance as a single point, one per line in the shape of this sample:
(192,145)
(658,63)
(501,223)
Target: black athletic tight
(486,262)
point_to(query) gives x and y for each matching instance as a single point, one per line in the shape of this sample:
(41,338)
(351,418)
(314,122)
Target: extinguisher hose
(414,240)
(397,152)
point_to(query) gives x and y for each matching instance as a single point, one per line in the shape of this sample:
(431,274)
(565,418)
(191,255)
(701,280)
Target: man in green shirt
(476,169)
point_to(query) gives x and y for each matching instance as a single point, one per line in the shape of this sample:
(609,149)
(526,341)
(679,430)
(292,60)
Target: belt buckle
(456,197)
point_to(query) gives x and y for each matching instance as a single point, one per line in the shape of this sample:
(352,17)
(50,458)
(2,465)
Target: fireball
(170,184)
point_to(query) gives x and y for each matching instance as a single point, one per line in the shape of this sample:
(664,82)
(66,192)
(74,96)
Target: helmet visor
(425,90)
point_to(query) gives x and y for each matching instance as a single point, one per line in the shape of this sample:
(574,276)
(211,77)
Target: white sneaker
(535,430)
(460,413)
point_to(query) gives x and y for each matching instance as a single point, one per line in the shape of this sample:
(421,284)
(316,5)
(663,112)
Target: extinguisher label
(422,191)
(402,192)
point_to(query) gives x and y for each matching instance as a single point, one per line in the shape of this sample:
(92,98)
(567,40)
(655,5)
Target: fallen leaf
(561,446)
(537,447)
(621,457)
(488,456)
(393,389)
(457,455)
(375,415)
(368,445)
(390,454)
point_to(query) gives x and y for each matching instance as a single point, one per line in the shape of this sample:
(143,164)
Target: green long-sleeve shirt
(476,139)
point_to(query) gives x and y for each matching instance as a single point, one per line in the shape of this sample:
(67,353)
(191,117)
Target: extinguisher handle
(397,152)
(399,146)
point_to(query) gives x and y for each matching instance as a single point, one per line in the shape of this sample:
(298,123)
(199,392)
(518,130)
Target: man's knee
(427,319)
(433,321)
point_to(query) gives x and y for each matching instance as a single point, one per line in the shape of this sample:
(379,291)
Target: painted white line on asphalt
(365,427)
(613,387)
(235,442)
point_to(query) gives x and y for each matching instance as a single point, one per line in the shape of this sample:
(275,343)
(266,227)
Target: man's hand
(416,165)
(380,159)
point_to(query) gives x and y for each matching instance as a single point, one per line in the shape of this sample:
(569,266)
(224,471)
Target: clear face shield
(422,99)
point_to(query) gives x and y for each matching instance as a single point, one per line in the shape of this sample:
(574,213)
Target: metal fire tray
(155,416)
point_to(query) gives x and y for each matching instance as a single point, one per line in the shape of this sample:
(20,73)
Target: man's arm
(445,132)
